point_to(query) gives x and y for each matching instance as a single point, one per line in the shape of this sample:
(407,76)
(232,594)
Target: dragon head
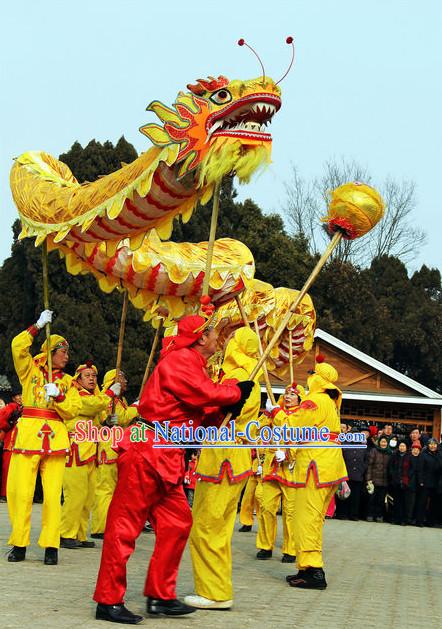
(219,127)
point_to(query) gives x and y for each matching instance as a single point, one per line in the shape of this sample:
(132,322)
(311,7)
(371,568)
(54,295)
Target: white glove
(51,390)
(370,487)
(280,456)
(135,403)
(44,318)
(270,406)
(112,420)
(259,470)
(116,389)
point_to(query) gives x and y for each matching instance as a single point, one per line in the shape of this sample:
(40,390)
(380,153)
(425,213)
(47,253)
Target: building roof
(376,364)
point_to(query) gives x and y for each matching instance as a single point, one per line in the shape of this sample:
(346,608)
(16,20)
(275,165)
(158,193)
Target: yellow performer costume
(79,479)
(107,472)
(317,473)
(222,474)
(41,442)
(279,482)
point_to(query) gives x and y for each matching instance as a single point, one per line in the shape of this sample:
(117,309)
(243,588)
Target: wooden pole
(44,259)
(120,341)
(242,311)
(264,367)
(313,275)
(292,374)
(212,234)
(151,356)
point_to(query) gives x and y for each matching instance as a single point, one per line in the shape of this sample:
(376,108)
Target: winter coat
(429,468)
(356,460)
(377,470)
(402,471)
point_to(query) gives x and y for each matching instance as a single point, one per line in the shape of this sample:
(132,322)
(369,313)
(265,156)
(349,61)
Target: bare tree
(395,235)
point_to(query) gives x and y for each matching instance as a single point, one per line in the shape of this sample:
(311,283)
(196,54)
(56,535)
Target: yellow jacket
(238,363)
(272,470)
(41,428)
(92,407)
(326,462)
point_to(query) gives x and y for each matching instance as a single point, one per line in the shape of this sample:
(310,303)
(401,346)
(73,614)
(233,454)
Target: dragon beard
(231,156)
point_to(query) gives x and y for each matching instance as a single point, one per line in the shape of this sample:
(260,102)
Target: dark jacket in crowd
(429,468)
(377,470)
(402,471)
(356,460)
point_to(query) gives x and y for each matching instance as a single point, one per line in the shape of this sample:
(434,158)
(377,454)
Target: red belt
(40,413)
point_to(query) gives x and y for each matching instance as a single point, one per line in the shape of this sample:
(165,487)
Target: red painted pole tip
(289,40)
(241,42)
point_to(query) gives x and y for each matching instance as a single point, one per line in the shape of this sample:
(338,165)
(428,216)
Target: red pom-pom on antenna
(205,300)
(241,42)
(289,40)
(320,358)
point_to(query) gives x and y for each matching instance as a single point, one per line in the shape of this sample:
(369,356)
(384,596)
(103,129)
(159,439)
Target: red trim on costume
(74,455)
(33,330)
(312,466)
(40,413)
(225,466)
(110,393)
(60,398)
(279,479)
(63,452)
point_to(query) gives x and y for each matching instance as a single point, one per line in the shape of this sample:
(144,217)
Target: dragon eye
(221,97)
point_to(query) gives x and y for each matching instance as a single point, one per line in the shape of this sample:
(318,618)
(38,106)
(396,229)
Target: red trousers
(141,494)
(5,468)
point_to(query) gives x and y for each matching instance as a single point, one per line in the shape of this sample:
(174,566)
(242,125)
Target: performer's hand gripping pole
(44,259)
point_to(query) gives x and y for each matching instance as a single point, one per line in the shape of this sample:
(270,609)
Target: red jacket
(5,426)
(178,390)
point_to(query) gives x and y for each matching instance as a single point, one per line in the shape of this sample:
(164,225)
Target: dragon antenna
(289,41)
(242,42)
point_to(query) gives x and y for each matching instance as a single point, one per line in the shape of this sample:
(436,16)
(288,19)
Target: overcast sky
(366,84)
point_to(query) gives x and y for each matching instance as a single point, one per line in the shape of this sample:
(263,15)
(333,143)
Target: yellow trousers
(79,494)
(20,493)
(272,492)
(107,476)
(214,513)
(251,501)
(311,505)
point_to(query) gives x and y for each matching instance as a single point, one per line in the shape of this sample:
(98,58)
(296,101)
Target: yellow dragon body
(114,227)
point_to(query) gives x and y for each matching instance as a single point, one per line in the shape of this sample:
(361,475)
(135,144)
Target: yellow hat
(109,378)
(323,378)
(296,388)
(87,365)
(55,342)
(242,351)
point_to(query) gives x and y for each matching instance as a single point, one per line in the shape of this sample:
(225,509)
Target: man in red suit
(150,480)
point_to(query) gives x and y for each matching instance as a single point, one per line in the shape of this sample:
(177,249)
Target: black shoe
(97,535)
(246,528)
(17,553)
(174,607)
(51,556)
(380,519)
(311,579)
(117,613)
(87,544)
(286,558)
(66,542)
(263,554)
(354,518)
(298,575)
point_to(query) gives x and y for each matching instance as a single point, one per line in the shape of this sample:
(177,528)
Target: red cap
(416,444)
(190,329)
(373,430)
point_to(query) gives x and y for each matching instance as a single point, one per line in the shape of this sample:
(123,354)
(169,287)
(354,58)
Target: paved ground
(379,575)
